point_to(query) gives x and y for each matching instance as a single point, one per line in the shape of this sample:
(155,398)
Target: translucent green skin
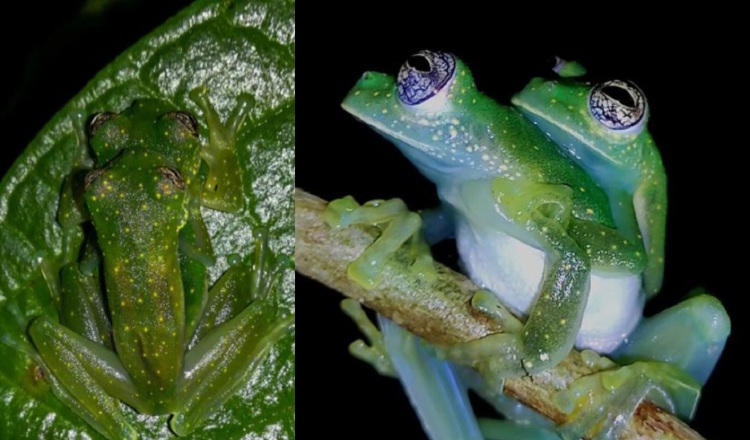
(485,159)
(498,175)
(171,345)
(625,163)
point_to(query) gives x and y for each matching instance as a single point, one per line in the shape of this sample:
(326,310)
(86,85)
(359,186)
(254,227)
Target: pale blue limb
(440,400)
(691,335)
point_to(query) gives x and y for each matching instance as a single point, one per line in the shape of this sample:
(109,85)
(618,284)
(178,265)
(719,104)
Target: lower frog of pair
(565,225)
(138,323)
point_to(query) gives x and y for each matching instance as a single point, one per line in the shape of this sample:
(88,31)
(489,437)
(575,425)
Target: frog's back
(522,152)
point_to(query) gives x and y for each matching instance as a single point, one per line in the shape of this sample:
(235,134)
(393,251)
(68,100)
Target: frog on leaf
(138,323)
(568,234)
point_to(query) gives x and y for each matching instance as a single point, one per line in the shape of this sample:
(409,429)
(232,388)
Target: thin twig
(438,311)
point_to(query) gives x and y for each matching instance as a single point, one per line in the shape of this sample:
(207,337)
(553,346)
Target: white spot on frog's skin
(544,357)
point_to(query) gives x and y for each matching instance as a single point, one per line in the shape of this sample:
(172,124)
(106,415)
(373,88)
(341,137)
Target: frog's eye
(98,120)
(173,176)
(186,120)
(424,75)
(91,177)
(618,105)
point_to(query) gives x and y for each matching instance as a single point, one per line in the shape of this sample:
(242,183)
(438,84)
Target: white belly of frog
(513,271)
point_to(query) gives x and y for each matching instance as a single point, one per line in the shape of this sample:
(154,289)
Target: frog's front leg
(402,226)
(222,188)
(573,246)
(671,355)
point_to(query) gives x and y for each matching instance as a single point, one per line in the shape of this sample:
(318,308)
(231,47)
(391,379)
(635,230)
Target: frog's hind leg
(437,395)
(671,355)
(401,225)
(239,327)
(690,335)
(85,375)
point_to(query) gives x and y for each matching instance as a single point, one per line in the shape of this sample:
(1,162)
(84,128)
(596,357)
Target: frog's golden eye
(100,119)
(424,75)
(173,176)
(618,105)
(186,120)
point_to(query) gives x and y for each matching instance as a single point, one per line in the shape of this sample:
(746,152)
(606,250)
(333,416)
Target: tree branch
(438,311)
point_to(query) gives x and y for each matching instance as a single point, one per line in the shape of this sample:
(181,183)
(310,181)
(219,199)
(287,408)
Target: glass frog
(569,240)
(138,322)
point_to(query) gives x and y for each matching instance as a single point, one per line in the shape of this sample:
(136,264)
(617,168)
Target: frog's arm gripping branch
(439,311)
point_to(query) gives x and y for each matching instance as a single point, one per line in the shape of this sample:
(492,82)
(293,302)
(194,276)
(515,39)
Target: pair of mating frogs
(558,207)
(138,322)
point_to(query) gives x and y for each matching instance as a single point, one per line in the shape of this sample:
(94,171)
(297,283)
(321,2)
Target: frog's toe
(497,357)
(602,403)
(366,272)
(338,212)
(374,354)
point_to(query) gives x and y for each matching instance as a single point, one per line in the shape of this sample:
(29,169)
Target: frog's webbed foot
(402,226)
(222,189)
(375,354)
(602,403)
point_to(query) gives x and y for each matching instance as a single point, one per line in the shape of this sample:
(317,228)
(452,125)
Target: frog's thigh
(87,376)
(690,335)
(402,225)
(83,309)
(223,360)
(226,299)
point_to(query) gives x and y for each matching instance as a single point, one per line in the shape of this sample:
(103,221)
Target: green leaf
(232,47)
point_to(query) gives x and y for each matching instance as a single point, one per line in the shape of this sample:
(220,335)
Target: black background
(688,64)
(691,77)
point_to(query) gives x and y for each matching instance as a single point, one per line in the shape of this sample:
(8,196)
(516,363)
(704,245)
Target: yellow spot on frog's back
(563,321)
(376,93)
(589,211)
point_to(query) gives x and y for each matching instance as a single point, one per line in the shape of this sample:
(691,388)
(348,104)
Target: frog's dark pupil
(620,95)
(98,120)
(187,121)
(419,63)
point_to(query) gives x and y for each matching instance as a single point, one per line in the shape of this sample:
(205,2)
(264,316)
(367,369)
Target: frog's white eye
(424,75)
(186,120)
(98,120)
(618,105)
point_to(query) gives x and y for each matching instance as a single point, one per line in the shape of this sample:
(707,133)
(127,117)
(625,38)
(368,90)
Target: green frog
(567,234)
(138,322)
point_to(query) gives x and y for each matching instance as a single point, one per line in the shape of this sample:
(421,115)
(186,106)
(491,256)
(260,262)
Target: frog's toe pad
(337,212)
